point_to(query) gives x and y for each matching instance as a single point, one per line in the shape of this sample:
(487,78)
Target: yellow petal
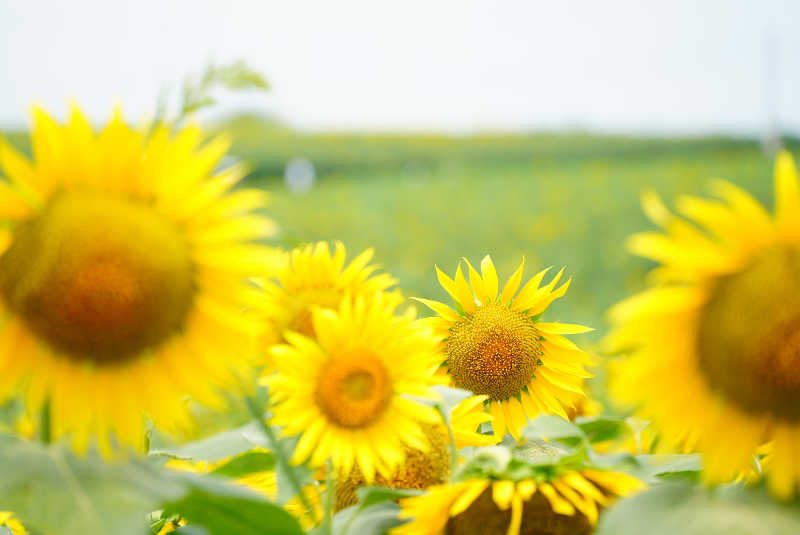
(440,308)
(489,278)
(513,284)
(502,492)
(476,282)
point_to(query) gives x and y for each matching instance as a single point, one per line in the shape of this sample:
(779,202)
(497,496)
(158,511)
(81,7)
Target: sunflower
(8,520)
(498,347)
(715,341)
(565,504)
(345,393)
(313,277)
(121,276)
(423,469)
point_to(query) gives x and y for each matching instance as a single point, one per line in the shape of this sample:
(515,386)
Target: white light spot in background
(299,175)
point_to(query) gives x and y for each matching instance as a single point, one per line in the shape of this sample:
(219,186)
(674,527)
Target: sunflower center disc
(495,351)
(353,392)
(100,278)
(420,470)
(748,339)
(483,517)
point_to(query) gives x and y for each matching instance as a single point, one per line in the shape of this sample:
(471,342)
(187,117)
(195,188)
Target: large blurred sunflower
(313,277)
(121,275)
(423,469)
(497,346)
(563,504)
(345,393)
(715,341)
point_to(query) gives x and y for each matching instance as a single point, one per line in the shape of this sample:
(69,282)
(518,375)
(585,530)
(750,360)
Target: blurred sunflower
(8,520)
(564,504)
(715,342)
(423,469)
(496,346)
(121,275)
(345,393)
(313,277)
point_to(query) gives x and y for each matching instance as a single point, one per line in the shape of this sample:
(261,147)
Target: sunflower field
(420,335)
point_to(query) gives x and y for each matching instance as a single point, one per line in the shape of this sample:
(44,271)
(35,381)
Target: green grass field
(559,200)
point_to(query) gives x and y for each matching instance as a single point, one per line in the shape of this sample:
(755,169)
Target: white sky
(679,66)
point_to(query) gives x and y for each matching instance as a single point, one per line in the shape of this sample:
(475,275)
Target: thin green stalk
(45,424)
(330,498)
(281,456)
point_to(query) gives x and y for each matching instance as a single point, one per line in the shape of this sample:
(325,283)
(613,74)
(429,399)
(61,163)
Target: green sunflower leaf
(375,520)
(368,496)
(654,468)
(688,509)
(216,447)
(247,463)
(53,491)
(602,428)
(555,428)
(227,510)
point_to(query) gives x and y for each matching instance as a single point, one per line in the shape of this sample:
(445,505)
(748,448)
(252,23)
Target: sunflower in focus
(564,504)
(423,469)
(8,520)
(345,393)
(315,277)
(121,276)
(498,347)
(715,342)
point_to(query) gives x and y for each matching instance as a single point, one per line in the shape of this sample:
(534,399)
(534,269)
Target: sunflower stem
(280,455)
(330,495)
(45,424)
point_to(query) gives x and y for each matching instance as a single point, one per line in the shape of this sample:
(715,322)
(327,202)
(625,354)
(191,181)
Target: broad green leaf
(52,491)
(374,520)
(217,447)
(681,508)
(602,428)
(247,463)
(227,510)
(368,496)
(555,428)
(653,468)
(302,474)
(5,531)
(191,530)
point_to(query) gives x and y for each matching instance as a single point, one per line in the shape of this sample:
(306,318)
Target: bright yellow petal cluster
(714,342)
(495,345)
(8,520)
(466,419)
(311,277)
(346,393)
(423,469)
(570,501)
(122,276)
